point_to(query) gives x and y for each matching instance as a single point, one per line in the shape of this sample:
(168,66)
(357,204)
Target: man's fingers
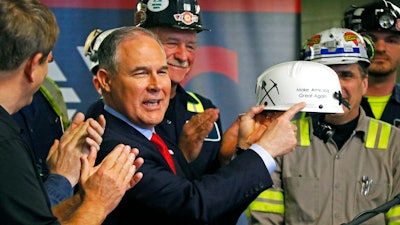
(138,162)
(73,133)
(92,156)
(102,121)
(135,179)
(112,158)
(94,135)
(96,126)
(78,118)
(292,111)
(53,149)
(85,169)
(252,112)
(210,115)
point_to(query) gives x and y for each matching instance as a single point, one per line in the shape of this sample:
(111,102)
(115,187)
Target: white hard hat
(285,84)
(92,44)
(338,46)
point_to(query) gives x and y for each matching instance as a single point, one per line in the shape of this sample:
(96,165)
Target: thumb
(77,119)
(85,171)
(91,158)
(53,149)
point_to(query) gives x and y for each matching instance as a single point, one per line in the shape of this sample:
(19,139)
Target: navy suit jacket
(162,197)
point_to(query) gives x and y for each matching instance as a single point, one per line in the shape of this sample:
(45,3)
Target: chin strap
(338,96)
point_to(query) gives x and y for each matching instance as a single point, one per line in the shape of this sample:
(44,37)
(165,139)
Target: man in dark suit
(133,76)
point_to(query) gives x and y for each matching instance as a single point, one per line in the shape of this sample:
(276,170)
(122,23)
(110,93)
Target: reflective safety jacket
(391,113)
(52,93)
(318,184)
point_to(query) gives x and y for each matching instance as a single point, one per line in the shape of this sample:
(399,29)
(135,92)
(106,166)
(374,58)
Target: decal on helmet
(351,36)
(157,5)
(267,89)
(186,18)
(316,39)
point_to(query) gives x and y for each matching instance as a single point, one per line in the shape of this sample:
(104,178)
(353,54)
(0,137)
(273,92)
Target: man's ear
(365,84)
(31,65)
(104,79)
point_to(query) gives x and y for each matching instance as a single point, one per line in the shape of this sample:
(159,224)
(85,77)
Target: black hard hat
(382,15)
(181,14)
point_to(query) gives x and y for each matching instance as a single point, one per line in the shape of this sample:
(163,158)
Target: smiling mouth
(152,102)
(176,63)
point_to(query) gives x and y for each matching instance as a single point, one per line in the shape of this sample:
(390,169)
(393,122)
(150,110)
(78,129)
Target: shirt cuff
(265,156)
(58,188)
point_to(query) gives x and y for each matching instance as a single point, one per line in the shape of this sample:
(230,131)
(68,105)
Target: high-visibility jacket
(52,93)
(318,184)
(391,113)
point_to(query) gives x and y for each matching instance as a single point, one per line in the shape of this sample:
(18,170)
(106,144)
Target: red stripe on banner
(251,5)
(91,4)
(215,60)
(206,5)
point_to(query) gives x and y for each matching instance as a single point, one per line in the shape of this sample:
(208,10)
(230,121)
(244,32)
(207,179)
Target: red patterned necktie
(156,139)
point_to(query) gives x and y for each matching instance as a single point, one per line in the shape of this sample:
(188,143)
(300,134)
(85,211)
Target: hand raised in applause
(77,141)
(104,185)
(194,132)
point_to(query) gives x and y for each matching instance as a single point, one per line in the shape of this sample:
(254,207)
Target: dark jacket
(164,198)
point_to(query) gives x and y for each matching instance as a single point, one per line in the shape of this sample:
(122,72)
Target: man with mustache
(191,121)
(380,21)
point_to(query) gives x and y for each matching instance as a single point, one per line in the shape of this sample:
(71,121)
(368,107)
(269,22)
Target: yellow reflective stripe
(272,195)
(393,215)
(303,115)
(194,107)
(268,201)
(304,132)
(372,137)
(372,131)
(384,138)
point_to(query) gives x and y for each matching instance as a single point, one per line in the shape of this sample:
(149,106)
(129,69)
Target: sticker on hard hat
(312,92)
(316,39)
(186,18)
(157,5)
(350,36)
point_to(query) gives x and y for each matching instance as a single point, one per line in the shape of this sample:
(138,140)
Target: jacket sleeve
(268,208)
